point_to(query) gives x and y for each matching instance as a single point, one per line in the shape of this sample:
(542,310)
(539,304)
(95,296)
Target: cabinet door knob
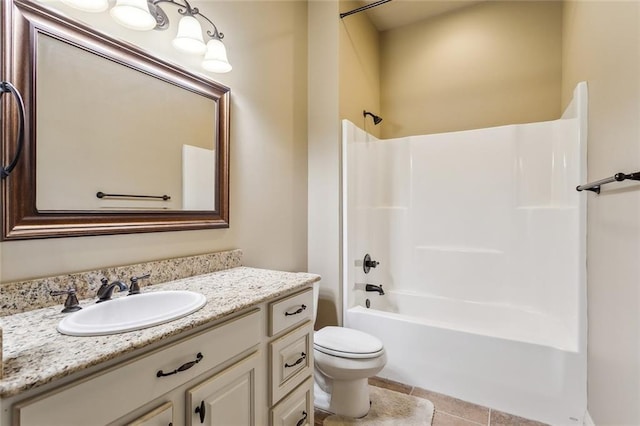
(202,411)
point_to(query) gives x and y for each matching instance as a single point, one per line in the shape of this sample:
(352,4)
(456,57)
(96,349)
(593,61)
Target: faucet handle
(134,288)
(368,263)
(104,283)
(71,303)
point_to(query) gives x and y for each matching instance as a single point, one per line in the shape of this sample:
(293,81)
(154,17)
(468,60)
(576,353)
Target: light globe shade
(133,14)
(215,60)
(189,36)
(88,5)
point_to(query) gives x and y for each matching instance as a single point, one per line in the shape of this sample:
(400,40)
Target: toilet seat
(347,343)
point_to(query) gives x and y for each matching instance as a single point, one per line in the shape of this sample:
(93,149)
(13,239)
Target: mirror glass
(132,134)
(116,140)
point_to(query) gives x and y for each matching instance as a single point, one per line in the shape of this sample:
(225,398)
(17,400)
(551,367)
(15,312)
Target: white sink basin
(130,313)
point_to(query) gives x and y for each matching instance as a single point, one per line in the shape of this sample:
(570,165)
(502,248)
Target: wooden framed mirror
(116,140)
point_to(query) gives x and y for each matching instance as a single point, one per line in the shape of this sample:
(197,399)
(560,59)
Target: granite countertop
(35,353)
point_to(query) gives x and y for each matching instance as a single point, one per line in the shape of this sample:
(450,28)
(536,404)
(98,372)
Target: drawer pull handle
(303,419)
(183,367)
(299,311)
(201,410)
(303,356)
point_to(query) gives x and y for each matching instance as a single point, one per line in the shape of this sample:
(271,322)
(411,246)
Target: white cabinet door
(227,398)
(161,416)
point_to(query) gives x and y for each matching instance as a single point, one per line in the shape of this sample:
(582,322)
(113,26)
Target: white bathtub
(517,361)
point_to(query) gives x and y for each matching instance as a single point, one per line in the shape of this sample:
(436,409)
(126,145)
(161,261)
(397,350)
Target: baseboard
(588,421)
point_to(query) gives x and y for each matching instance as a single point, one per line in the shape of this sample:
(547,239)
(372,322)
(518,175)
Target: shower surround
(481,239)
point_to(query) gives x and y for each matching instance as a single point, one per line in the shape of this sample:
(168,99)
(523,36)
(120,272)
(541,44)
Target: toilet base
(348,398)
(321,399)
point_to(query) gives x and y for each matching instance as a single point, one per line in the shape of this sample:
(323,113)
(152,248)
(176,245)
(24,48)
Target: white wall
(601,44)
(267,45)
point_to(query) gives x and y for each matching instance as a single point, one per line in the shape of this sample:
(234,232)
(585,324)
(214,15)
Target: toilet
(344,359)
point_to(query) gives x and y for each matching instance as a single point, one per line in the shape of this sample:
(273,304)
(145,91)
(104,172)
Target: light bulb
(189,36)
(215,60)
(133,14)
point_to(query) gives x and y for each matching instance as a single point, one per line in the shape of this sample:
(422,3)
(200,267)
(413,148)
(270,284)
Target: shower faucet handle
(368,263)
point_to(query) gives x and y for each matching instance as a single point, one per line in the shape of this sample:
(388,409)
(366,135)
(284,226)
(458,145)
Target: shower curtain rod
(360,9)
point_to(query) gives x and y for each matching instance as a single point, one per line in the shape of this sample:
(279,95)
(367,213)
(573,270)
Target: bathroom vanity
(245,358)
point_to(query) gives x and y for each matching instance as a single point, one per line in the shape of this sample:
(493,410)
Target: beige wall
(490,64)
(344,80)
(267,45)
(324,238)
(359,63)
(601,45)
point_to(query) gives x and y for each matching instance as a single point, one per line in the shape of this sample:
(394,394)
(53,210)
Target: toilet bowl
(344,359)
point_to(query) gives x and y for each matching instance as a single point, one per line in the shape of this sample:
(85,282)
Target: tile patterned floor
(448,411)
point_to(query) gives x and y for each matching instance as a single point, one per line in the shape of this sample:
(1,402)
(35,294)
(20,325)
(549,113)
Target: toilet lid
(347,343)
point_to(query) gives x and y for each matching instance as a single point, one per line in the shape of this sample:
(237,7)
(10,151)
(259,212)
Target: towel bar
(618,177)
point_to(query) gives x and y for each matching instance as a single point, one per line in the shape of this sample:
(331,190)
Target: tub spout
(372,287)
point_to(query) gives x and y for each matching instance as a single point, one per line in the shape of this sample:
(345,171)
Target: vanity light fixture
(145,15)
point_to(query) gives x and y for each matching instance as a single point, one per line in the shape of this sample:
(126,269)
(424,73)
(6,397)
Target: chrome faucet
(372,287)
(106,290)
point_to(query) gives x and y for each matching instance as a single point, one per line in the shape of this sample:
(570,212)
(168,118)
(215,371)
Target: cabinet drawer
(290,311)
(296,409)
(108,395)
(161,416)
(291,360)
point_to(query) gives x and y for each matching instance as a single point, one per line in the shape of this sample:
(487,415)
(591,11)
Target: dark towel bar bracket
(618,177)
(154,197)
